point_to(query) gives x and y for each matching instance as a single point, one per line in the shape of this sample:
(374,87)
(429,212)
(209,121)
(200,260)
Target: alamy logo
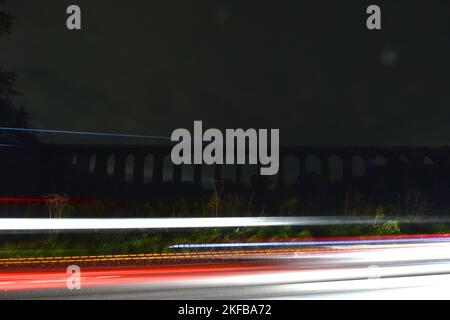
(73,281)
(231,149)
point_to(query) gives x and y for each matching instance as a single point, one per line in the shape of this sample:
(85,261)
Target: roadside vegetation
(215,205)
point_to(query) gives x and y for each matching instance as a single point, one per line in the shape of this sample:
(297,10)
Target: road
(388,271)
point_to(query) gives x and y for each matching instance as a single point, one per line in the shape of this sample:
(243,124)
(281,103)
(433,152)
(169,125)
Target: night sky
(309,68)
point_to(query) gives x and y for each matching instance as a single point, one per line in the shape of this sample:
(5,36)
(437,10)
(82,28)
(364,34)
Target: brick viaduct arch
(76,168)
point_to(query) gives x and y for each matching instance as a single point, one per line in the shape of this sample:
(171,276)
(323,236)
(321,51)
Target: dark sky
(310,68)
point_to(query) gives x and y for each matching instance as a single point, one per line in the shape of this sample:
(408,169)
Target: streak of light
(348,251)
(42,200)
(380,240)
(86,133)
(148,257)
(421,268)
(183,223)
(29,280)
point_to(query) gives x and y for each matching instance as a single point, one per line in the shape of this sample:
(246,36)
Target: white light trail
(184,223)
(151,223)
(411,240)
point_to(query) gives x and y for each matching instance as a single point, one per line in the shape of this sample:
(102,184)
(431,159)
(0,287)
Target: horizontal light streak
(149,223)
(186,223)
(310,243)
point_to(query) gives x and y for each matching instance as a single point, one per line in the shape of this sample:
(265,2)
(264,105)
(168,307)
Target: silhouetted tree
(11,115)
